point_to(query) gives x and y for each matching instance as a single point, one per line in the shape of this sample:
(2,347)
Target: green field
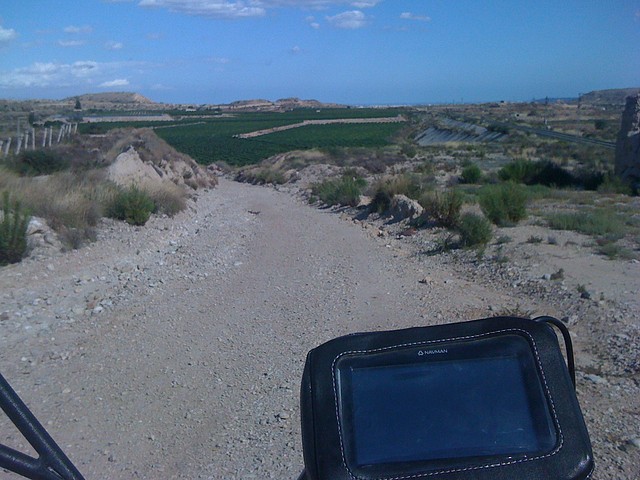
(211,139)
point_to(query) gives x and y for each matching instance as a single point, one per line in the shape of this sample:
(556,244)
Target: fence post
(7,147)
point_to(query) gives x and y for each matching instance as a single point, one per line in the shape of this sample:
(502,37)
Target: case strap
(568,345)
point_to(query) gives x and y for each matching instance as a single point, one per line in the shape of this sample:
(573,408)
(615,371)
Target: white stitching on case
(455,470)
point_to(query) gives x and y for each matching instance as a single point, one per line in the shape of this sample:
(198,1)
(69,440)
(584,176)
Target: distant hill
(112,97)
(279,105)
(614,96)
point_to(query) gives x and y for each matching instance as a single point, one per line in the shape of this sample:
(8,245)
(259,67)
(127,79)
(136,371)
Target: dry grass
(70,203)
(168,198)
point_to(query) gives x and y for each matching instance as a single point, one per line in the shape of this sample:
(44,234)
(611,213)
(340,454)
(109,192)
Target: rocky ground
(175,350)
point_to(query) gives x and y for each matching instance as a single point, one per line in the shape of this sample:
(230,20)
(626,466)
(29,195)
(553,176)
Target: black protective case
(572,458)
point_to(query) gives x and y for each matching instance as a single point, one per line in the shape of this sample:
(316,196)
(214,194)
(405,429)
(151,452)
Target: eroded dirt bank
(176,350)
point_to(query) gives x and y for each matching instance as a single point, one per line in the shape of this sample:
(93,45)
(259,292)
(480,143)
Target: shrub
(536,173)
(343,191)
(596,223)
(132,205)
(612,184)
(475,230)
(38,162)
(471,174)
(411,185)
(444,208)
(504,204)
(262,175)
(168,198)
(13,231)
(518,171)
(600,124)
(612,251)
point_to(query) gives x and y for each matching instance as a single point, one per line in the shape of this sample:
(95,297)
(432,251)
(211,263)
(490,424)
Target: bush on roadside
(168,198)
(471,174)
(504,204)
(410,185)
(13,231)
(594,223)
(261,176)
(38,162)
(613,184)
(475,230)
(132,205)
(536,173)
(345,190)
(443,208)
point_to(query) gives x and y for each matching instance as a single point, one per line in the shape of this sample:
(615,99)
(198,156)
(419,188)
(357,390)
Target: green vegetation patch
(345,190)
(132,205)
(13,231)
(594,223)
(212,139)
(504,204)
(37,162)
(475,230)
(443,208)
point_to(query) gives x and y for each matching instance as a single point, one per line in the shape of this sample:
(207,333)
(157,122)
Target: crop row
(209,140)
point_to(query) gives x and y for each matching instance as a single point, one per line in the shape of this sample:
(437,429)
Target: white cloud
(244,9)
(348,20)
(111,45)
(75,29)
(366,4)
(7,34)
(317,4)
(413,16)
(56,74)
(119,82)
(311,20)
(207,8)
(70,43)
(295,50)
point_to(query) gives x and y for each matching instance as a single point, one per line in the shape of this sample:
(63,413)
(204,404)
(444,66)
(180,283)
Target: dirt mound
(140,156)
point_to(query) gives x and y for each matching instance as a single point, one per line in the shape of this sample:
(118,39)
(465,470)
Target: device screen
(446,409)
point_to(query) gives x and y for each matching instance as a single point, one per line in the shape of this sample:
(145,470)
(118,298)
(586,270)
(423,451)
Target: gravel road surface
(175,350)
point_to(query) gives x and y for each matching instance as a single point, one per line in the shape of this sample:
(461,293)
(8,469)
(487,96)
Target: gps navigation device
(488,399)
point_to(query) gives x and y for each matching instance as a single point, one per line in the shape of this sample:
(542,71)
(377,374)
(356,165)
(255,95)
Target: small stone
(634,442)
(66,390)
(50,267)
(598,380)
(546,276)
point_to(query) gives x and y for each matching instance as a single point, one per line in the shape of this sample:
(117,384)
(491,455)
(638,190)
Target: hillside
(112,97)
(614,96)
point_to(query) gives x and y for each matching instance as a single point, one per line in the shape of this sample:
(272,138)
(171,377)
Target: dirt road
(175,350)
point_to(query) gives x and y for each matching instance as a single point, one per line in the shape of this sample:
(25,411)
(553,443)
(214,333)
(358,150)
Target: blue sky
(347,51)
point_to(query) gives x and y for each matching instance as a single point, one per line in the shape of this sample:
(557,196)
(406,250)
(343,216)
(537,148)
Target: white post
(26,140)
(50,134)
(19,146)
(33,139)
(7,147)
(44,138)
(75,128)
(59,135)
